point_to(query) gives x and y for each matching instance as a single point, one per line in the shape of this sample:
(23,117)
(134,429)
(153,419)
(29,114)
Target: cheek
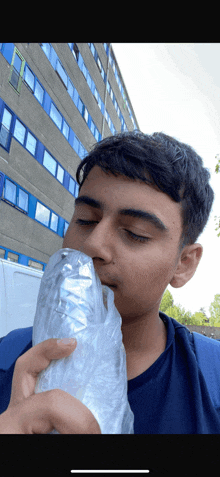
(143,285)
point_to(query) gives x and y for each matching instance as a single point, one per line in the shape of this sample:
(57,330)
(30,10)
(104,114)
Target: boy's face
(132,253)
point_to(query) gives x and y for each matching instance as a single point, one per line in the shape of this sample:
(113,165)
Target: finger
(31,363)
(41,413)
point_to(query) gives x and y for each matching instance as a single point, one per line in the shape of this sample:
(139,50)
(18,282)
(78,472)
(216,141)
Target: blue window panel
(89,80)
(46,48)
(60,173)
(60,226)
(49,162)
(71,137)
(66,225)
(17,63)
(10,191)
(40,152)
(81,151)
(66,179)
(32,206)
(76,144)
(72,186)
(5,129)
(42,214)
(84,70)
(23,200)
(8,50)
(53,57)
(70,88)
(29,77)
(76,190)
(75,97)
(92,127)
(61,72)
(31,143)
(6,119)
(80,60)
(19,131)
(39,92)
(55,115)
(65,130)
(54,222)
(2,178)
(47,103)
(97,134)
(80,105)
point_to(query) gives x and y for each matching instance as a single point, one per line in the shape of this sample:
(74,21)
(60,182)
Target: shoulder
(13,345)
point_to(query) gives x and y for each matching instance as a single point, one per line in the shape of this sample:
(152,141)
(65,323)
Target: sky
(175,88)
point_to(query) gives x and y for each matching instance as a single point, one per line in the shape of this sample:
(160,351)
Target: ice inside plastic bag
(72,302)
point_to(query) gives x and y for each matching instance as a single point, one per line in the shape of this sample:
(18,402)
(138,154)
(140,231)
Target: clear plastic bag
(72,302)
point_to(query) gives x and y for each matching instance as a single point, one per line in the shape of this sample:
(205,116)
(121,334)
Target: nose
(100,242)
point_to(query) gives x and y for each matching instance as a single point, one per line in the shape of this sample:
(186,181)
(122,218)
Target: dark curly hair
(174,167)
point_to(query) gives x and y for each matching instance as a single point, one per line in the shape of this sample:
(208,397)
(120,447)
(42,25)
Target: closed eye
(132,236)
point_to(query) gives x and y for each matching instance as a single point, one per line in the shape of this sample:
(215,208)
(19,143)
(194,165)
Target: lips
(110,285)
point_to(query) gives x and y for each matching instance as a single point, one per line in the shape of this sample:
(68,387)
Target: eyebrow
(136,213)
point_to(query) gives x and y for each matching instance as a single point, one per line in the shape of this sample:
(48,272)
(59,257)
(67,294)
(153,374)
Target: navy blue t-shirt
(170,397)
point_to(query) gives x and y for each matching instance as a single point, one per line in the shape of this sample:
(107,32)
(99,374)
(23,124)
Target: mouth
(109,285)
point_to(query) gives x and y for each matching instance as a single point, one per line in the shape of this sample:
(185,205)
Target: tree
(214,311)
(179,313)
(166,302)
(217,219)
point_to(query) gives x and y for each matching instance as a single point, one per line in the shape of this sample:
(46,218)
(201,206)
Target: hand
(30,413)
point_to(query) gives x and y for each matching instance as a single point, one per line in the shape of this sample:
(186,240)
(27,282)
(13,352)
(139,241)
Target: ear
(187,265)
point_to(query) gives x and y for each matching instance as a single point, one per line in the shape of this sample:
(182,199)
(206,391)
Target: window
(76,144)
(80,105)
(31,143)
(92,127)
(5,128)
(96,134)
(61,72)
(34,264)
(92,49)
(46,48)
(96,94)
(29,78)
(99,64)
(49,162)
(16,195)
(39,92)
(72,186)
(70,88)
(75,51)
(23,200)
(65,130)
(76,189)
(10,191)
(42,214)
(84,70)
(60,173)
(16,70)
(19,131)
(12,257)
(55,115)
(2,253)
(54,222)
(86,115)
(65,228)
(89,80)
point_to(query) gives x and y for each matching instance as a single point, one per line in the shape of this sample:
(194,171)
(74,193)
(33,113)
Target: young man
(143,202)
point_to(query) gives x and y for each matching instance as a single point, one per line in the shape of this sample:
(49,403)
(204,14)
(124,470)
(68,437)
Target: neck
(144,340)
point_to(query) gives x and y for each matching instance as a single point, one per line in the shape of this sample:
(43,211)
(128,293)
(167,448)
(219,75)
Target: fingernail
(66,341)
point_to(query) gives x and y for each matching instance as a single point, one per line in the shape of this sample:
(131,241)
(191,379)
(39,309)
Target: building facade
(56,101)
